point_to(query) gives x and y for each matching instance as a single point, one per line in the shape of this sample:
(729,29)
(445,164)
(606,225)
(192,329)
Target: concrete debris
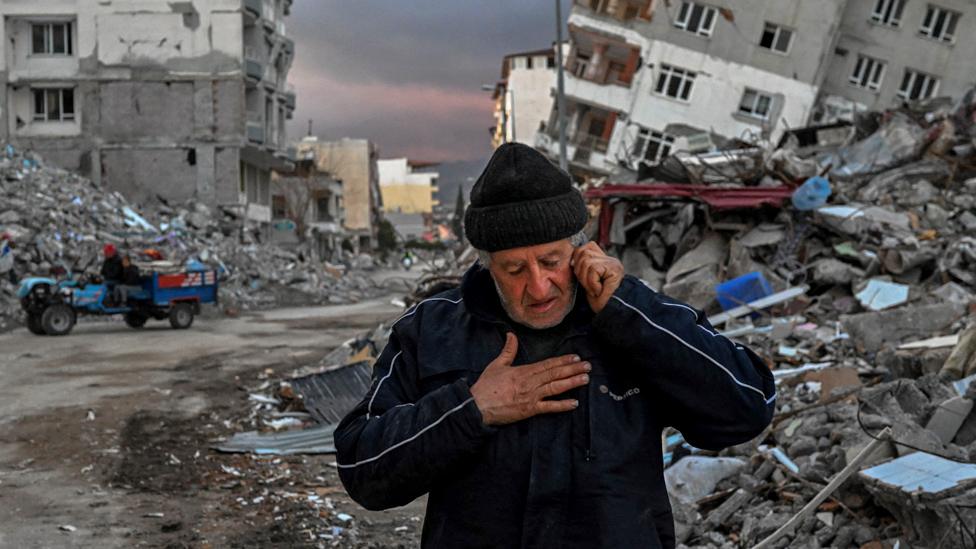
(53,222)
(868,327)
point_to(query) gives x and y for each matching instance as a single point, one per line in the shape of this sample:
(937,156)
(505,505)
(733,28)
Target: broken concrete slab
(949,417)
(962,362)
(835,271)
(710,252)
(872,330)
(764,234)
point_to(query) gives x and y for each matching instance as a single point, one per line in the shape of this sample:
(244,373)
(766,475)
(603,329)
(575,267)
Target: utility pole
(309,127)
(560,99)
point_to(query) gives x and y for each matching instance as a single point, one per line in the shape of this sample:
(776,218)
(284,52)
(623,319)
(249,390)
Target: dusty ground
(106,431)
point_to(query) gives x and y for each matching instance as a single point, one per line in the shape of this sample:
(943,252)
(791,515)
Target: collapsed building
(179,100)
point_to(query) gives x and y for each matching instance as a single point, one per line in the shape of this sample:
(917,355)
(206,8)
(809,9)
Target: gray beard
(508,307)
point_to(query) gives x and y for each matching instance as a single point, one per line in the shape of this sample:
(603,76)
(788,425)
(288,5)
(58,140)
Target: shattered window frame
(773,37)
(53,104)
(758,106)
(45,36)
(868,73)
(652,146)
(696,18)
(916,85)
(675,82)
(888,12)
(940,23)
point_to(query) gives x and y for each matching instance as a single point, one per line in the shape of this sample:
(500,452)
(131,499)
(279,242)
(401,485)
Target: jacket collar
(481,300)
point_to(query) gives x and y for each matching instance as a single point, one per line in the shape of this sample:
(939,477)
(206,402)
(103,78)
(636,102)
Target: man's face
(535,283)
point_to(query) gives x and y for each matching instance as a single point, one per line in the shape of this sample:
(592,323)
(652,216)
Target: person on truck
(120,276)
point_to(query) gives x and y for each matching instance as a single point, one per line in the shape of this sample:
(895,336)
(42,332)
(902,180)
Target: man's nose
(539,283)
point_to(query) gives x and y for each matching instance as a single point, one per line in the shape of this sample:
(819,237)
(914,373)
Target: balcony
(252,9)
(621,10)
(289,45)
(253,66)
(289,97)
(255,132)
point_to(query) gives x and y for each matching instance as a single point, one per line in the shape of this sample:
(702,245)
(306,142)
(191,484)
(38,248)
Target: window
(652,146)
(279,206)
(888,12)
(939,23)
(615,72)
(54,104)
(868,73)
(322,209)
(675,82)
(51,38)
(776,38)
(917,85)
(755,104)
(582,62)
(528,62)
(696,18)
(550,62)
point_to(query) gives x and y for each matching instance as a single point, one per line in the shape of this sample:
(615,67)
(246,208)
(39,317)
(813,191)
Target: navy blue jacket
(589,478)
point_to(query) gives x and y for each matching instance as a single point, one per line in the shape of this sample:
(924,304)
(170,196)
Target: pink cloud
(419,121)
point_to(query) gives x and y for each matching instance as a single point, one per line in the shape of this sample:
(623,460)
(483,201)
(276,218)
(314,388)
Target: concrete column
(206,175)
(596,68)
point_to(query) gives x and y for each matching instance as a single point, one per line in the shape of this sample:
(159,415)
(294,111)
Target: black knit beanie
(522,199)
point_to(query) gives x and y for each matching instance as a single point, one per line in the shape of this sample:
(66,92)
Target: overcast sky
(407,75)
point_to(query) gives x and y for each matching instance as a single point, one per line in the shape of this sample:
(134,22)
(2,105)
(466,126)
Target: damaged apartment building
(645,77)
(186,101)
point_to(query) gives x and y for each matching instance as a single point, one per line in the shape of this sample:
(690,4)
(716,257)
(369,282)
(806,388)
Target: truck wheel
(34,325)
(135,320)
(57,319)
(181,316)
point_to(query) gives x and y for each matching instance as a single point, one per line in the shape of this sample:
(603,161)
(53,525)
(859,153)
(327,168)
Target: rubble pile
(863,304)
(54,222)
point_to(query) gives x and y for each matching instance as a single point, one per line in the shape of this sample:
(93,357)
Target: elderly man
(529,403)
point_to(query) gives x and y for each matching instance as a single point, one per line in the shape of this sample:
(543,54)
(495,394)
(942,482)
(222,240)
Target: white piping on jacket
(369,407)
(402,442)
(697,350)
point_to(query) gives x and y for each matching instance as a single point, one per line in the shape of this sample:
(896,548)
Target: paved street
(87,422)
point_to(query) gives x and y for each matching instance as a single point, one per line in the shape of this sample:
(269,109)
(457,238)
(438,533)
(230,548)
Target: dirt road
(104,437)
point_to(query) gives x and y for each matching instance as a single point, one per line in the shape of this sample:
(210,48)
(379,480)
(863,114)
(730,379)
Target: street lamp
(560,100)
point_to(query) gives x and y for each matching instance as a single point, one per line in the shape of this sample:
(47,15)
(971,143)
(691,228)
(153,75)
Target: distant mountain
(453,175)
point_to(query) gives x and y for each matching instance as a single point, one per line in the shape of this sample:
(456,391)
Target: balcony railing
(255,132)
(253,7)
(253,66)
(289,96)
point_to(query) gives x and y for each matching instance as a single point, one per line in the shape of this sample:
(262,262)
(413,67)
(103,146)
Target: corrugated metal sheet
(330,395)
(315,440)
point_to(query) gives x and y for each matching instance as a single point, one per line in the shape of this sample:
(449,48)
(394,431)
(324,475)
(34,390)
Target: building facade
(354,162)
(307,206)
(644,77)
(181,100)
(408,196)
(523,96)
(895,50)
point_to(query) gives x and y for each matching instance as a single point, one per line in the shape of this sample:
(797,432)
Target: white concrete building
(523,97)
(185,100)
(645,77)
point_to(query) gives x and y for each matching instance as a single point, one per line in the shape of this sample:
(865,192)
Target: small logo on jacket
(627,394)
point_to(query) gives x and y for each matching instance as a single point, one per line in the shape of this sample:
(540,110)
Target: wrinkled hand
(506,394)
(599,274)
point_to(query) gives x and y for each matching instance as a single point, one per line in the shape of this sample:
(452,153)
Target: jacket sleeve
(397,441)
(716,392)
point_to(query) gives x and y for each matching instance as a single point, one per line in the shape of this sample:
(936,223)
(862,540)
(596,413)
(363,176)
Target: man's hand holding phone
(599,274)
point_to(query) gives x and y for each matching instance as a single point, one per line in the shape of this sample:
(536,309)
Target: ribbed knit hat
(522,199)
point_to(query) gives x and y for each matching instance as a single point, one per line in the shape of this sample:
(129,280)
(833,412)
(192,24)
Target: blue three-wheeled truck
(53,306)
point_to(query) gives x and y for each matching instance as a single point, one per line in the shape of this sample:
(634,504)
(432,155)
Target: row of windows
(677,83)
(869,73)
(939,23)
